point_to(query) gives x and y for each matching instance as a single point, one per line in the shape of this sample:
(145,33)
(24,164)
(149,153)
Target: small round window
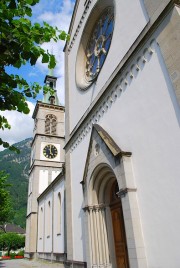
(94,46)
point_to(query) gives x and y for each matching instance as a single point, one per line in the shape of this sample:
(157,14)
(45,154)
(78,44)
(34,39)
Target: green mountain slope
(17,166)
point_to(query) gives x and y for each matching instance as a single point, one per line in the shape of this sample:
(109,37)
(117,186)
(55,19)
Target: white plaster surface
(53,240)
(78,159)
(43,180)
(143,120)
(55,173)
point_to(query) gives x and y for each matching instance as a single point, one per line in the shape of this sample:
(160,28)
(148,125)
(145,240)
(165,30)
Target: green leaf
(29,2)
(63,35)
(13,148)
(17,64)
(26,110)
(28,94)
(45,58)
(5,144)
(52,62)
(25,28)
(28,11)
(37,25)
(35,2)
(33,60)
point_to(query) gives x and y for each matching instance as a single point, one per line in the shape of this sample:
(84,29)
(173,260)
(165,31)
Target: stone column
(98,236)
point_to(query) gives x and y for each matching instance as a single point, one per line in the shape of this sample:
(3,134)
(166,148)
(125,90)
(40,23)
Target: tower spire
(50,80)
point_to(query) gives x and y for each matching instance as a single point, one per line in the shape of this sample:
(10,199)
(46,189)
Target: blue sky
(56,13)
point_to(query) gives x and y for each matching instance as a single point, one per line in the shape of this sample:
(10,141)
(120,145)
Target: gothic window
(52,100)
(51,84)
(59,213)
(41,223)
(48,220)
(50,124)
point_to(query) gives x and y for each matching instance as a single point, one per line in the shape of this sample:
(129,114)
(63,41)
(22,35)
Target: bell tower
(47,156)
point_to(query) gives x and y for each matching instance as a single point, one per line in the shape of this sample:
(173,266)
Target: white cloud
(32,74)
(21,126)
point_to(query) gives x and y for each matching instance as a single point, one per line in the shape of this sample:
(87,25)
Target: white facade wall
(55,173)
(147,126)
(50,240)
(142,119)
(77,169)
(43,180)
(58,231)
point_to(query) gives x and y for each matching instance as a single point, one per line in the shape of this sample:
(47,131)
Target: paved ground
(28,264)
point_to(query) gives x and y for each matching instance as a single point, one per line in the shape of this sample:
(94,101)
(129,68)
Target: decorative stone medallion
(96,149)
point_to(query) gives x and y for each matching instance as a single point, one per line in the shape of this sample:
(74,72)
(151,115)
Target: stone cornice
(46,105)
(46,135)
(96,207)
(45,164)
(122,192)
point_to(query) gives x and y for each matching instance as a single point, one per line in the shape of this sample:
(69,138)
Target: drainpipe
(37,229)
(52,223)
(44,225)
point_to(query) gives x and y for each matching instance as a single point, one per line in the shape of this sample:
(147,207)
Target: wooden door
(119,234)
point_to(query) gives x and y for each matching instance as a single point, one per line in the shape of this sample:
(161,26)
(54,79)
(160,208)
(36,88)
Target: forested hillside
(17,166)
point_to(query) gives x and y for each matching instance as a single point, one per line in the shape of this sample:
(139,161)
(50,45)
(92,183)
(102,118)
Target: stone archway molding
(105,163)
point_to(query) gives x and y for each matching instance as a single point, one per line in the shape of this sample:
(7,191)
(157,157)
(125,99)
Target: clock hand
(50,150)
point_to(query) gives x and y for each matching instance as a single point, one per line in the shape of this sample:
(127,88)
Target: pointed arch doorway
(120,243)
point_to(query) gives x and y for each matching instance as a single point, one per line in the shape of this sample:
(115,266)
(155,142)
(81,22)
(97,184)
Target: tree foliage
(5,200)
(20,42)
(9,241)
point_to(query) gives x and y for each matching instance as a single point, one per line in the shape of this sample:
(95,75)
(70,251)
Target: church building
(104,184)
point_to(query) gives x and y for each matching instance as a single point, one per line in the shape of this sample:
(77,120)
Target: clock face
(50,151)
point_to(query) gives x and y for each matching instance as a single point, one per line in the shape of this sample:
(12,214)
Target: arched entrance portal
(118,229)
(108,170)
(107,239)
